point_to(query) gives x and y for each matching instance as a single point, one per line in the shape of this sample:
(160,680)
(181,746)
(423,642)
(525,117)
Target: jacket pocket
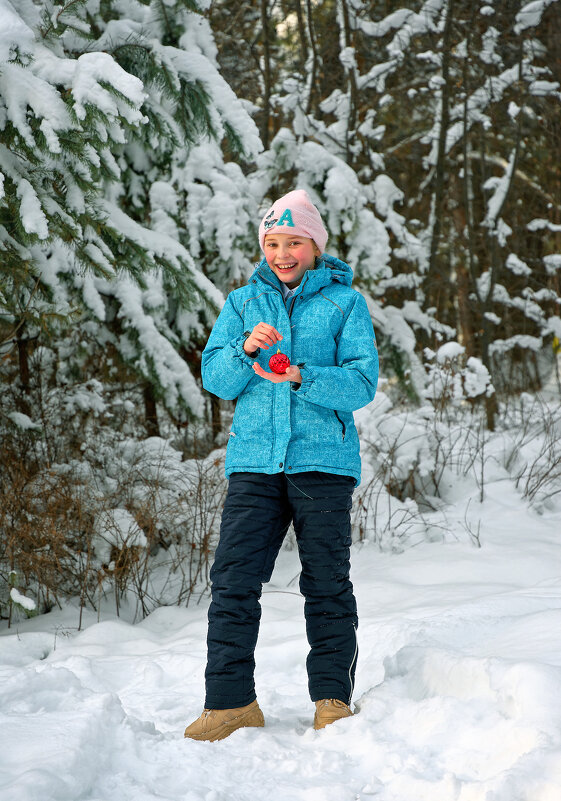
(343,426)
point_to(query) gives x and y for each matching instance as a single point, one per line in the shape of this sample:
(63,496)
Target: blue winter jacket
(325,326)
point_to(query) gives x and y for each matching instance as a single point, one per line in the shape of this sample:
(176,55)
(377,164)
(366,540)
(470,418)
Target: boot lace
(335,702)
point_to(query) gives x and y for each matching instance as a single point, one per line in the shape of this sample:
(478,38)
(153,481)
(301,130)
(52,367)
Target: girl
(292,456)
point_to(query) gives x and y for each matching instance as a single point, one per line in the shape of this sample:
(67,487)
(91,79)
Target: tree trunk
(495,262)
(437,279)
(150,412)
(23,361)
(266,75)
(312,104)
(465,313)
(302,34)
(216,419)
(347,41)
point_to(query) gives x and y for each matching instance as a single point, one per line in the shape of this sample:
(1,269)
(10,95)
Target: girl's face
(290,256)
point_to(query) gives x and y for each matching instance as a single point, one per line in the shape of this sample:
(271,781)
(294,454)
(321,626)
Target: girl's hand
(292,374)
(262,336)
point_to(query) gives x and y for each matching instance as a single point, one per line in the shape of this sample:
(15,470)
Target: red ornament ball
(279,362)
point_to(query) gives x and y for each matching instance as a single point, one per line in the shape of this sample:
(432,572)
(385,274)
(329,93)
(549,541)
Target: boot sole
(254,718)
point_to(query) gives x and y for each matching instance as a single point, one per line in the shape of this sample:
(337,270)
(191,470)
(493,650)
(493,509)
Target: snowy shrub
(160,526)
(453,379)
(532,450)
(133,522)
(19,604)
(418,461)
(86,508)
(44,524)
(399,460)
(392,524)
(411,449)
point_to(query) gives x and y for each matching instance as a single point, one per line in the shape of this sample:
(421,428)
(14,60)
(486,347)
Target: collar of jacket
(329,269)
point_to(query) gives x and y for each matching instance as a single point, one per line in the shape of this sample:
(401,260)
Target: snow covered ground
(458,686)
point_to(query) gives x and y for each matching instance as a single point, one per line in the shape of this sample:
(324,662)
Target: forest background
(141,141)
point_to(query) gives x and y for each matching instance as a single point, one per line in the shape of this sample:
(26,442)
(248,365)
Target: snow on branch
(519,340)
(15,35)
(552,263)
(26,603)
(531,15)
(490,92)
(407,23)
(158,354)
(163,247)
(500,185)
(226,109)
(538,224)
(23,92)
(92,73)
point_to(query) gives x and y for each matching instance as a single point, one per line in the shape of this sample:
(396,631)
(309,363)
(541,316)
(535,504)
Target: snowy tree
(102,109)
(328,142)
(442,116)
(172,49)
(113,120)
(468,103)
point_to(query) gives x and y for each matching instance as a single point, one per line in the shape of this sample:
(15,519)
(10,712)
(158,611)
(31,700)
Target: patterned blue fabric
(326,326)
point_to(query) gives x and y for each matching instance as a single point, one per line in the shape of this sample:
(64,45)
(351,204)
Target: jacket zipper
(270,284)
(266,280)
(344,427)
(280,292)
(295,296)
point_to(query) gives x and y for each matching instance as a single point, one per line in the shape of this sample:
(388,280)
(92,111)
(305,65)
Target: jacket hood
(329,268)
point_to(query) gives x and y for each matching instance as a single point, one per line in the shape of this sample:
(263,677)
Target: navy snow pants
(256,516)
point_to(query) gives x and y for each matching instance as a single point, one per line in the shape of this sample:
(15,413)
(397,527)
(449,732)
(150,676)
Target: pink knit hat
(294,213)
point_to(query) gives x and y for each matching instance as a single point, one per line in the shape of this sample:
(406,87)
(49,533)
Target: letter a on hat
(286,219)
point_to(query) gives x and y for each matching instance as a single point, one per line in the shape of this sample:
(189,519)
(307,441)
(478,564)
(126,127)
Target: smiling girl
(292,457)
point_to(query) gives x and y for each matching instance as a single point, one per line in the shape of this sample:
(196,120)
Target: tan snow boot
(328,710)
(216,724)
